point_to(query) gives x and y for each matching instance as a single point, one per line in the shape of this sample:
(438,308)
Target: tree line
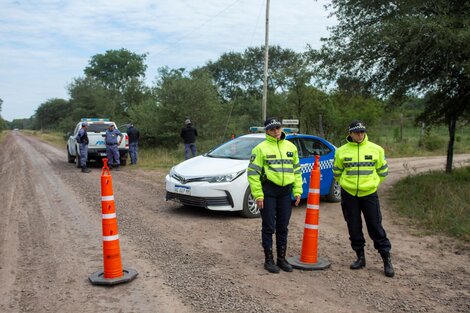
(381,61)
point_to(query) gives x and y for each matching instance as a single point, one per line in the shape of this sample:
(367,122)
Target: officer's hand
(297,200)
(260,203)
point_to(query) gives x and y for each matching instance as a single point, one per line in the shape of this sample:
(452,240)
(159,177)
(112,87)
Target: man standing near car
(134,136)
(274,175)
(360,167)
(82,139)
(112,146)
(189,133)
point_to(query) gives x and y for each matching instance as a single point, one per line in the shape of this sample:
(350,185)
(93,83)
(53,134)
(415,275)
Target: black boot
(360,262)
(269,264)
(388,267)
(281,259)
(85,169)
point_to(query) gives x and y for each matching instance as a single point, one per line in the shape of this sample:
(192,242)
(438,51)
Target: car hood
(202,166)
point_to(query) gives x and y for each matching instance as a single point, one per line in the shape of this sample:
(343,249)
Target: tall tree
(399,47)
(122,72)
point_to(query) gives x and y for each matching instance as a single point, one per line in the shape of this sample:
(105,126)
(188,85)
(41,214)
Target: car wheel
(123,162)
(250,209)
(70,158)
(335,192)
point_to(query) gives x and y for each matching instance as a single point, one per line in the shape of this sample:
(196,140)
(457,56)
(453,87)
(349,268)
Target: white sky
(45,44)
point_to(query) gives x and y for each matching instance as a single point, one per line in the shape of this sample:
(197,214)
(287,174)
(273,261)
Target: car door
(312,146)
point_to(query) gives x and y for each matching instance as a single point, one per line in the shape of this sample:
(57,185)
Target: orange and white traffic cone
(113,272)
(309,259)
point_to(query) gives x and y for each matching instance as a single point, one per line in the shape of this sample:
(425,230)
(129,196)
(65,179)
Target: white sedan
(218,181)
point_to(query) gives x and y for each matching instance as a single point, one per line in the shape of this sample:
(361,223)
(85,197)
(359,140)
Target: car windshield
(238,148)
(97,128)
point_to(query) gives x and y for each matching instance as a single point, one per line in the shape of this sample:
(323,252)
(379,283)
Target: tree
(405,47)
(121,72)
(50,113)
(181,96)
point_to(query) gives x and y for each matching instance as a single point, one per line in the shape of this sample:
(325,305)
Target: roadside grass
(436,202)
(55,138)
(3,135)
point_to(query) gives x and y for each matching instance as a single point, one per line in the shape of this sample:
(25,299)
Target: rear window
(97,127)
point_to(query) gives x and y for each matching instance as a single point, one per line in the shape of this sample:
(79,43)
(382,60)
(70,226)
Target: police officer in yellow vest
(274,175)
(359,167)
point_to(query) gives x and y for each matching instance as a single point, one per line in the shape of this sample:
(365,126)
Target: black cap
(357,127)
(271,123)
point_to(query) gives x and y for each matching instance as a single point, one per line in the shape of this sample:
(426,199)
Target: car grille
(200,201)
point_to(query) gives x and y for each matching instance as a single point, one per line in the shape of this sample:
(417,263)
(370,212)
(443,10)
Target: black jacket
(133,134)
(189,134)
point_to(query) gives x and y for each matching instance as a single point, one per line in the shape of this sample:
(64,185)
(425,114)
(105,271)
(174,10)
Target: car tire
(123,162)
(250,209)
(334,195)
(70,158)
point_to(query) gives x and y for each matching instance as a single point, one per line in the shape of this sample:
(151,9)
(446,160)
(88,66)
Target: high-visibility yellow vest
(360,167)
(276,161)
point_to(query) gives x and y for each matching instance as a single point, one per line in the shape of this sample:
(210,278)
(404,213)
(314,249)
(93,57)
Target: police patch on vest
(290,154)
(253,157)
(348,159)
(272,156)
(368,157)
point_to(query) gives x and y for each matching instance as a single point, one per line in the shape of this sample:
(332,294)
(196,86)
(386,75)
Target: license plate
(185,190)
(102,154)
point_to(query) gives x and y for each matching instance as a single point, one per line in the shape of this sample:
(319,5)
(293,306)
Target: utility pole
(266,58)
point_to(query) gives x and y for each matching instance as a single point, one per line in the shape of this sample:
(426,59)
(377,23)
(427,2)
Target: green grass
(3,135)
(436,202)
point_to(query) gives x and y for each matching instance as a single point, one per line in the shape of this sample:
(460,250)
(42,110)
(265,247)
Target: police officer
(112,146)
(82,139)
(274,175)
(134,136)
(359,167)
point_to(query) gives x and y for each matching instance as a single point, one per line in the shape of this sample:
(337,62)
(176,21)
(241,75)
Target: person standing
(189,133)
(360,167)
(274,175)
(134,136)
(82,139)
(112,146)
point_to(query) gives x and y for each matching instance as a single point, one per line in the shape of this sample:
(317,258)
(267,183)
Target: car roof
(288,135)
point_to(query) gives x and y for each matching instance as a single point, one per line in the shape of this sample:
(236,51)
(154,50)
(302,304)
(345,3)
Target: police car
(218,179)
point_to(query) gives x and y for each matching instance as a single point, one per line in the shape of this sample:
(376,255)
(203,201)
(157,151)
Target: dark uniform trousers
(275,214)
(370,207)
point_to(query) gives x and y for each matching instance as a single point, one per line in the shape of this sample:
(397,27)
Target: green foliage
(404,47)
(436,201)
(432,142)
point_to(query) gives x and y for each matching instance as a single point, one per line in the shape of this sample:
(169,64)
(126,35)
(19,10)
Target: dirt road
(193,260)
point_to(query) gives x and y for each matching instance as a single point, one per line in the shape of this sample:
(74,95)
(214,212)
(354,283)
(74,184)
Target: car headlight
(225,178)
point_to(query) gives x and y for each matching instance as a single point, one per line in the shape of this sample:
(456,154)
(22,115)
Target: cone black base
(320,265)
(97,278)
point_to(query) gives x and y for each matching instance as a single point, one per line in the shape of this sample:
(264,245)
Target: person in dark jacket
(82,139)
(134,136)
(189,133)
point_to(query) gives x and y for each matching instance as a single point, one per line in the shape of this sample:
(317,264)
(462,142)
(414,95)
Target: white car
(218,180)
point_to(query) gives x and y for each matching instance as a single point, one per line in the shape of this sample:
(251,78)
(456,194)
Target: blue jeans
(83,154)
(112,152)
(189,148)
(133,152)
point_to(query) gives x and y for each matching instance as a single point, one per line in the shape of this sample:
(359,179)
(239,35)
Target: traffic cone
(113,272)
(309,259)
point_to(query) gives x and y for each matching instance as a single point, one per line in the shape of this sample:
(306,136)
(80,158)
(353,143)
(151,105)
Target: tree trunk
(450,146)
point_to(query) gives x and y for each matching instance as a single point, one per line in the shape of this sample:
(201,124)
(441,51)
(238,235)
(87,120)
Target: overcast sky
(45,44)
